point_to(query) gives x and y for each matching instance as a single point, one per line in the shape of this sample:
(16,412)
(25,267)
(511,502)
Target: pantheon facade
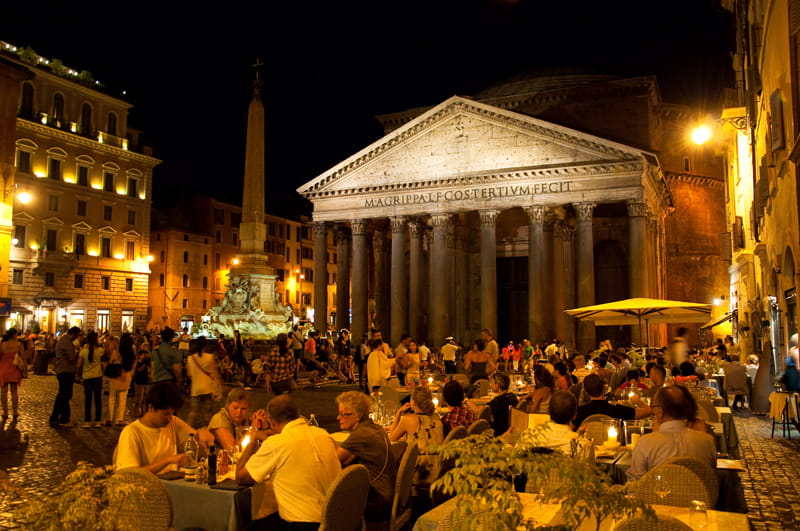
(474,215)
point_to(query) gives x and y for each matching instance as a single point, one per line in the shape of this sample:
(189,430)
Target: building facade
(536,196)
(194,244)
(79,251)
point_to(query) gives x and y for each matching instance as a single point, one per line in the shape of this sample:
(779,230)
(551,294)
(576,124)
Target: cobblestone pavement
(37,457)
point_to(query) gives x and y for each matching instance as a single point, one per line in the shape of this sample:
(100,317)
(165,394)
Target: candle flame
(245,441)
(612,432)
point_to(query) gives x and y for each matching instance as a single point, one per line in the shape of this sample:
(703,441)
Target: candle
(435,402)
(612,434)
(430,380)
(634,439)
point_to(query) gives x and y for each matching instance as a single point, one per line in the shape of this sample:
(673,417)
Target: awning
(714,322)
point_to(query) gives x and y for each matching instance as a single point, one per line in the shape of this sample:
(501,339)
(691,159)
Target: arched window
(58,110)
(205,282)
(26,108)
(185,257)
(112,124)
(185,281)
(86,119)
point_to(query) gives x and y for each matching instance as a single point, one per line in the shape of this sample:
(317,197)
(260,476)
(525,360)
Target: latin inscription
(469,194)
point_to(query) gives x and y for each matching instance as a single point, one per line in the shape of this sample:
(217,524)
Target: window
(131,217)
(235,239)
(185,281)
(51,240)
(205,304)
(218,237)
(130,250)
(185,303)
(308,273)
(186,237)
(108,181)
(288,232)
(54,168)
(219,216)
(236,219)
(81,208)
(185,257)
(308,253)
(83,175)
(217,261)
(24,161)
(78,281)
(19,236)
(127,320)
(297,253)
(80,244)
(271,228)
(105,247)
(205,259)
(280,231)
(305,232)
(161,257)
(107,212)
(86,119)
(216,287)
(128,284)
(105,283)
(205,282)
(52,203)
(17,277)
(58,110)
(112,124)
(50,279)
(161,280)
(103,319)
(133,184)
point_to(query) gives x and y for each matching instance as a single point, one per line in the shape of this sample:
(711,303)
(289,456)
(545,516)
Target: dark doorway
(611,284)
(512,299)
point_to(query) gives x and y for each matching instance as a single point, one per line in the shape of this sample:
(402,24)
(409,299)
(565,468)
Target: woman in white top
(91,371)
(118,386)
(379,366)
(206,382)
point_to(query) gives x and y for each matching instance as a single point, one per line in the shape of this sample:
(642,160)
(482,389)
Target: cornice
(560,172)
(85,142)
(705,180)
(452,107)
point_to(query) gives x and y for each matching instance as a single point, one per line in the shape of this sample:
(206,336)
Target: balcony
(58,262)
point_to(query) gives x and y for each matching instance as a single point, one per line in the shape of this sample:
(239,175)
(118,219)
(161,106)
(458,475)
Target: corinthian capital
(320,229)
(567,232)
(398,224)
(535,214)
(584,211)
(488,218)
(636,208)
(358,227)
(440,221)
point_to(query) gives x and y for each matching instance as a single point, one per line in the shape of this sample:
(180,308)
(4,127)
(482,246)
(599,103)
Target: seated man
(368,445)
(598,404)
(300,460)
(735,381)
(673,437)
(557,433)
(658,375)
(155,441)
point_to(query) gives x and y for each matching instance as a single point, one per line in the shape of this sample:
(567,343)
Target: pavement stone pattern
(37,457)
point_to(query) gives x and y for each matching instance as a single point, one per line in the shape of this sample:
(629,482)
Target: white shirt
(424,352)
(448,351)
(302,463)
(200,367)
(673,439)
(379,368)
(140,446)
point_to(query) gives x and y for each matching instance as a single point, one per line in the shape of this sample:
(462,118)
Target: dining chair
(705,472)
(344,503)
(459,432)
(463,379)
(478,427)
(668,484)
(397,449)
(437,496)
(139,499)
(663,523)
(389,393)
(401,505)
(485,413)
(481,388)
(518,420)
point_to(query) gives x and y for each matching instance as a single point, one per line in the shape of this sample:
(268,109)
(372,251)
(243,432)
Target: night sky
(331,66)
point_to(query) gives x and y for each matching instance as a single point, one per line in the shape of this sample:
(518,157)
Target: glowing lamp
(150,258)
(97,186)
(14,241)
(701,134)
(436,402)
(430,380)
(73,127)
(40,174)
(69,179)
(34,246)
(92,252)
(235,261)
(24,197)
(119,256)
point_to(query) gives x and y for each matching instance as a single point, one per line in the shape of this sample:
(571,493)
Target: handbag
(113,370)
(19,363)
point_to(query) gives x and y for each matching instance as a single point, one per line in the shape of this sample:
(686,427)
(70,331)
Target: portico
(477,200)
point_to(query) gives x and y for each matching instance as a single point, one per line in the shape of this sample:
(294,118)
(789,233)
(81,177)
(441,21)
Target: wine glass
(662,489)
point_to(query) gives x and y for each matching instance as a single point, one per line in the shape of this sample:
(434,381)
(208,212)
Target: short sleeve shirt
(499,406)
(164,357)
(140,446)
(369,443)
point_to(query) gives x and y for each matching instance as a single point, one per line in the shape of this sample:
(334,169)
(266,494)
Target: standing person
(118,386)
(91,370)
(10,375)
(449,351)
(238,356)
(66,360)
(344,349)
(184,342)
(280,367)
(413,362)
(141,378)
(400,357)
(477,363)
(424,354)
(379,366)
(296,339)
(201,367)
(492,348)
(167,362)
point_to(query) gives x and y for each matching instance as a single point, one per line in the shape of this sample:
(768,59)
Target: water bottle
(190,449)
(212,465)
(312,421)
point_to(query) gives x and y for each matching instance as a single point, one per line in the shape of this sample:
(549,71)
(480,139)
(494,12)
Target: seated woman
(688,374)
(418,423)
(478,364)
(538,401)
(367,445)
(633,382)
(459,414)
(234,415)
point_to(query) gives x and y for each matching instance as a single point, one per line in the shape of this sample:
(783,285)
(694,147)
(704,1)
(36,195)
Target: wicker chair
(401,506)
(459,432)
(139,498)
(343,508)
(705,472)
(481,388)
(684,486)
(479,426)
(664,523)
(437,496)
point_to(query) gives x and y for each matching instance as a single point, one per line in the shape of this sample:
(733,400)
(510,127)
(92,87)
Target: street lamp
(300,278)
(705,132)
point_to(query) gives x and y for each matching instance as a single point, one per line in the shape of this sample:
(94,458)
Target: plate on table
(340,436)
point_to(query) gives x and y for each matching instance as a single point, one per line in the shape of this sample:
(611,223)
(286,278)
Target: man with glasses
(673,438)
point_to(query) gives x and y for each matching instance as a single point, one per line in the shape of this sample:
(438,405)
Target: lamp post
(300,278)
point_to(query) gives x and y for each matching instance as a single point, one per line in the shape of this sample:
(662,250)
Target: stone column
(548,308)
(359,229)
(637,261)
(399,298)
(343,280)
(488,270)
(382,320)
(585,270)
(415,279)
(568,286)
(439,284)
(557,282)
(536,304)
(320,276)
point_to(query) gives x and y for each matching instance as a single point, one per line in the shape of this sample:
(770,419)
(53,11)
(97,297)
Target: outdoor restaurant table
(198,506)
(730,436)
(548,513)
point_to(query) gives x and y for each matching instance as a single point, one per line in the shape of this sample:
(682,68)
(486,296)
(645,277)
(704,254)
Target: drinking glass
(662,489)
(698,514)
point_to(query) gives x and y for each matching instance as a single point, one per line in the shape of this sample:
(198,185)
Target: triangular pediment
(461,140)
(81,226)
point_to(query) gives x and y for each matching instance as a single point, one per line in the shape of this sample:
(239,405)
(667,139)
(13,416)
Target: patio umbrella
(634,311)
